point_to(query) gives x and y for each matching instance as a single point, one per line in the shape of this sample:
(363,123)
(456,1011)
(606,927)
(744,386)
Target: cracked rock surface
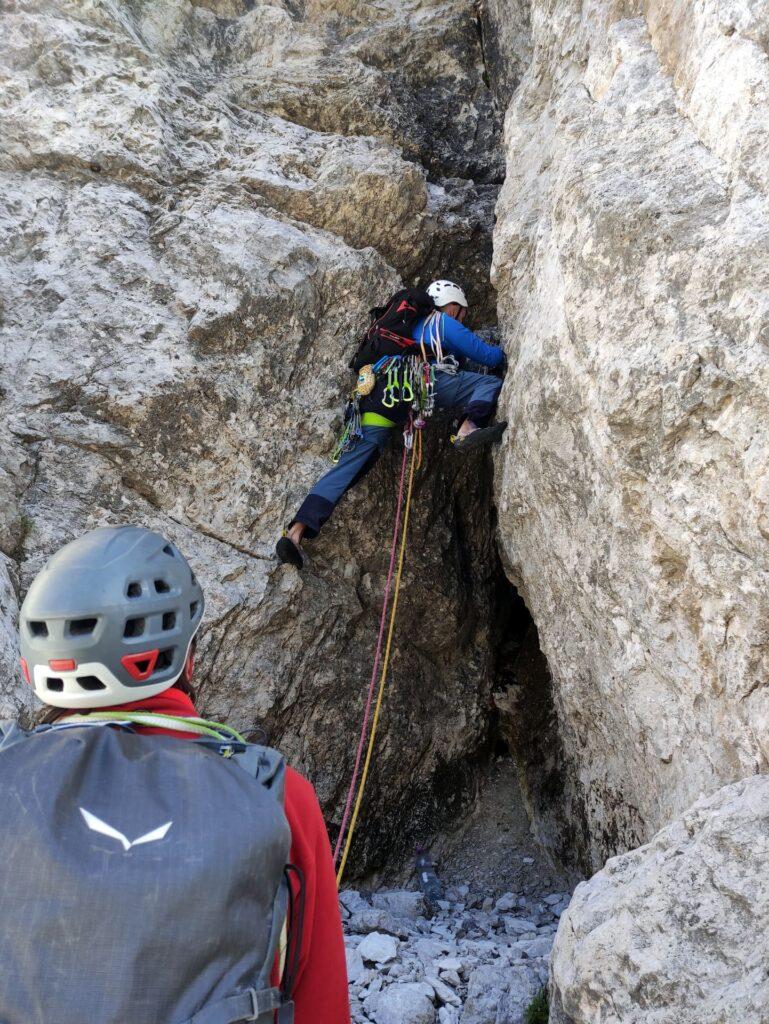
(631,265)
(201,201)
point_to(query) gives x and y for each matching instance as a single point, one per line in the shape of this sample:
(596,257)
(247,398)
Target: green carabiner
(388,398)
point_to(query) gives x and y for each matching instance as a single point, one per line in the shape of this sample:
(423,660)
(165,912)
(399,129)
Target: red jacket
(320,992)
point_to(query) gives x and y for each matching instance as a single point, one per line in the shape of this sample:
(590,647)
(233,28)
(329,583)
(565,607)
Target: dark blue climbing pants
(474,394)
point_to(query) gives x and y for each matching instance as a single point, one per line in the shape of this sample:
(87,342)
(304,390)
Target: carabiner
(389,398)
(407,392)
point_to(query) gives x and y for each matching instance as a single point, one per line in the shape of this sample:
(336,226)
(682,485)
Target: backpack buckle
(254,1004)
(268,1001)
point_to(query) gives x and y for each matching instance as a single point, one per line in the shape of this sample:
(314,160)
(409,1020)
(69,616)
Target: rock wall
(631,264)
(201,200)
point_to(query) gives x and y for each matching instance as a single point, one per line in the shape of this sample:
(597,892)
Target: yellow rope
(383,676)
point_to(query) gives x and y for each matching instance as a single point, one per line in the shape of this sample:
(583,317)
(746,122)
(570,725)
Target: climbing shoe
(289,553)
(479,437)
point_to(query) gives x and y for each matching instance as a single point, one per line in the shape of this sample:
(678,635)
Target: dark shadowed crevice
(526,723)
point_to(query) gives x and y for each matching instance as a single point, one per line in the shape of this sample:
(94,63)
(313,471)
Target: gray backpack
(143,877)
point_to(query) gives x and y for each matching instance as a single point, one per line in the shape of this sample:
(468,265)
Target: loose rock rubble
(469,960)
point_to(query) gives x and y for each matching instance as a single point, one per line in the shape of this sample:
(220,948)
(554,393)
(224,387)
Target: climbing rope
(415,448)
(377,657)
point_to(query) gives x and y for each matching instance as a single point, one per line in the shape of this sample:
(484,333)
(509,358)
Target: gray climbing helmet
(109,620)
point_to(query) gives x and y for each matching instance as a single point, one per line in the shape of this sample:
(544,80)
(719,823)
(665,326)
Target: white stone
(377,948)
(442,991)
(539,947)
(518,925)
(400,903)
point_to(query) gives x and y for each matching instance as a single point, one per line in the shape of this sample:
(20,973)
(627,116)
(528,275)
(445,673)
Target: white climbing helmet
(444,292)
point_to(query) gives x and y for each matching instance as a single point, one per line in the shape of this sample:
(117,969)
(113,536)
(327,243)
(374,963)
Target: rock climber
(415,324)
(109,625)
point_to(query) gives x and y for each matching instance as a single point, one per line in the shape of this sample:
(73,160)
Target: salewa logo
(97,825)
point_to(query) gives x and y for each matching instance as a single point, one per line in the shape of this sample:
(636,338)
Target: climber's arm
(459,341)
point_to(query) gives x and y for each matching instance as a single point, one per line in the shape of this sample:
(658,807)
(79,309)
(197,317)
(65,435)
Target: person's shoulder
(299,790)
(450,325)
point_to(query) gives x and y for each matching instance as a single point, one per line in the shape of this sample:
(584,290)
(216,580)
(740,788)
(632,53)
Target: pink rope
(375,669)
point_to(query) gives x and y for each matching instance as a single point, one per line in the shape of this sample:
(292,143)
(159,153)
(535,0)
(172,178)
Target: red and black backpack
(391,327)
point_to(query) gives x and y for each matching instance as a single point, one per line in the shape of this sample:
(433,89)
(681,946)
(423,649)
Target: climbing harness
(412,453)
(408,379)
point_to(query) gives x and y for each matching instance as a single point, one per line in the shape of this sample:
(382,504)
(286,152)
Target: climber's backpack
(390,331)
(144,878)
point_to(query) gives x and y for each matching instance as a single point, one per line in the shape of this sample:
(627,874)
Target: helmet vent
(193,579)
(134,590)
(161,587)
(38,629)
(81,627)
(91,683)
(169,550)
(134,627)
(169,620)
(165,659)
(57,685)
(194,605)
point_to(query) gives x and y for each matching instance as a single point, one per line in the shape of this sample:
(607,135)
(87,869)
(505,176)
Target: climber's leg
(475,395)
(353,465)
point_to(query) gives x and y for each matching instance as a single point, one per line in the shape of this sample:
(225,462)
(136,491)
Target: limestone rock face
(200,203)
(676,931)
(631,265)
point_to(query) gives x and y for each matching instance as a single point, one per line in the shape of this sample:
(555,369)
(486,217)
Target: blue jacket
(458,341)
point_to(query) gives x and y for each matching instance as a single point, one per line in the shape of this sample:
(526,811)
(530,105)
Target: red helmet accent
(25,670)
(140,666)
(63,664)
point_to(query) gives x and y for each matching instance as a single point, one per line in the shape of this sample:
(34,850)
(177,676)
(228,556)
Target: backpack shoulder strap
(11,733)
(177,723)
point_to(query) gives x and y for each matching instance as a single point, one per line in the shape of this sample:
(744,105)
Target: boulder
(677,931)
(188,254)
